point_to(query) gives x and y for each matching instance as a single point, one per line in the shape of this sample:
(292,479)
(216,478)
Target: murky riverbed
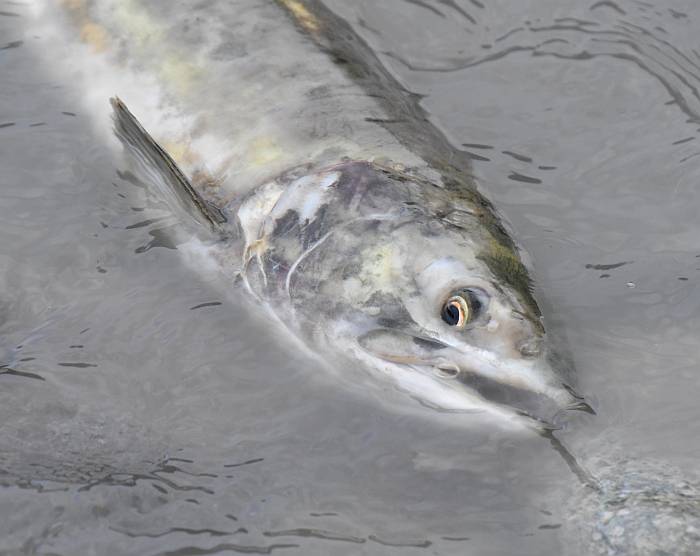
(145,410)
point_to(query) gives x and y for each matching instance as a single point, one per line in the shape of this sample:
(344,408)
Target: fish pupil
(450,314)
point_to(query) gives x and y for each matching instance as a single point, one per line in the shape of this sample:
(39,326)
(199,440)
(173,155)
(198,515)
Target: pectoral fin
(163,172)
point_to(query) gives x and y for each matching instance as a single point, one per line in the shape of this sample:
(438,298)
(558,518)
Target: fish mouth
(525,386)
(536,405)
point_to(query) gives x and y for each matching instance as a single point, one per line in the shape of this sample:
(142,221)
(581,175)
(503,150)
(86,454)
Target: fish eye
(462,307)
(455,311)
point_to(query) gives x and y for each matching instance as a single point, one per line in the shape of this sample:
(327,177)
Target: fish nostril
(531,347)
(447,370)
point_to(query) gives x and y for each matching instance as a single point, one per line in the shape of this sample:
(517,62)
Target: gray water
(145,410)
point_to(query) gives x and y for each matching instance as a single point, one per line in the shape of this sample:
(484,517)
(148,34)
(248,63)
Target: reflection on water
(145,411)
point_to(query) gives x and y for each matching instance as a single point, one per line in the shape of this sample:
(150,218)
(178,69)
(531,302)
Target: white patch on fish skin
(329,180)
(312,203)
(315,197)
(305,195)
(254,210)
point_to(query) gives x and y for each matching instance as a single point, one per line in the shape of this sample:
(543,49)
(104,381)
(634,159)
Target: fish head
(412,281)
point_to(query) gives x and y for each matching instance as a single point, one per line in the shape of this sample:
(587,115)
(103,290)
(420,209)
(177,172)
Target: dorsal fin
(172,182)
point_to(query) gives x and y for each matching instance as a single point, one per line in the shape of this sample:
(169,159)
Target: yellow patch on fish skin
(303,16)
(264,150)
(73,5)
(380,266)
(258,247)
(179,74)
(94,35)
(254,251)
(89,32)
(136,21)
(180,152)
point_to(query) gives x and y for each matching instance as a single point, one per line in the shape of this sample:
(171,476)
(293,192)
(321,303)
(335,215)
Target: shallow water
(146,411)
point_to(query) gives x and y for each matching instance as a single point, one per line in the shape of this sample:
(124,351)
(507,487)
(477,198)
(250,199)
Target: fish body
(331,198)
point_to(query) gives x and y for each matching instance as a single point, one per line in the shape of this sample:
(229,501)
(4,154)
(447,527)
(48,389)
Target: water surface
(146,411)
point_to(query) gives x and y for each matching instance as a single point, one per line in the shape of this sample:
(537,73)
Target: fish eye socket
(463,306)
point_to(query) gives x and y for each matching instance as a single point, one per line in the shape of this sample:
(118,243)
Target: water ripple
(239,548)
(614,35)
(187,531)
(4,370)
(315,533)
(401,544)
(13,44)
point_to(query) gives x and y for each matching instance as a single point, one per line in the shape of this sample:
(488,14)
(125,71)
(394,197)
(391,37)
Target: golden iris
(455,311)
